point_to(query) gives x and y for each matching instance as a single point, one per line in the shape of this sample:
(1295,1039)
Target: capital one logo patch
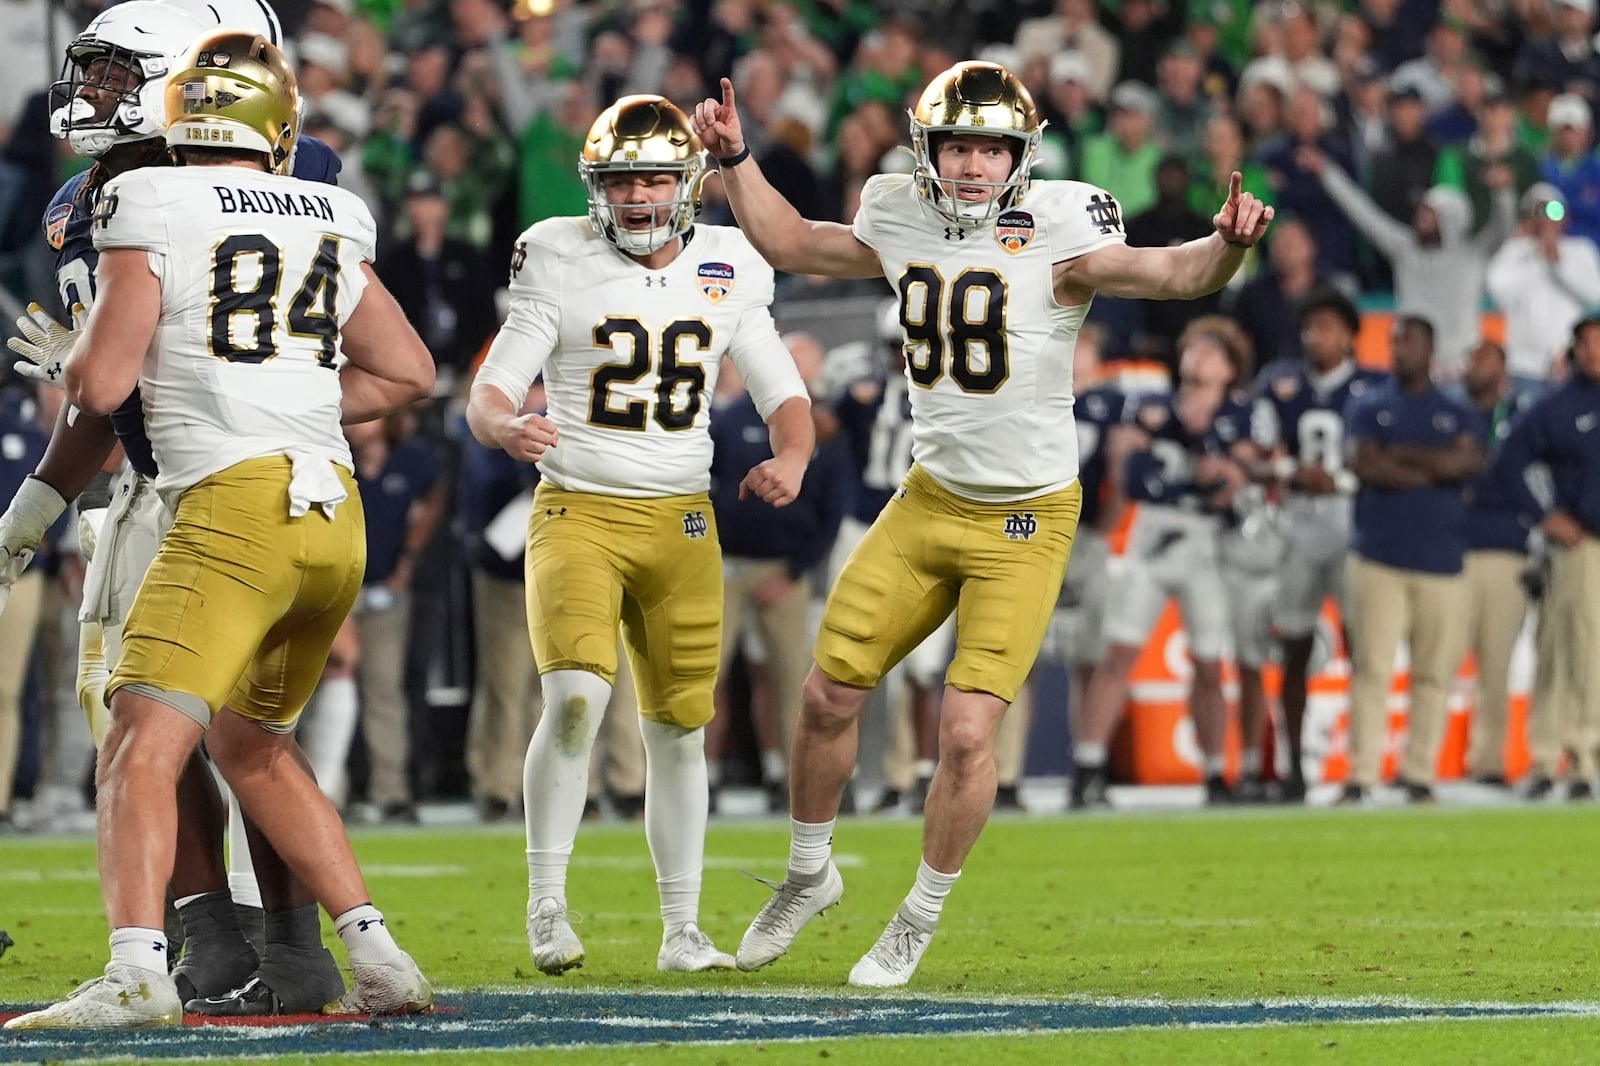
(716,281)
(1014,230)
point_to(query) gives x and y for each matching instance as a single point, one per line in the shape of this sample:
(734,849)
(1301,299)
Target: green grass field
(1441,907)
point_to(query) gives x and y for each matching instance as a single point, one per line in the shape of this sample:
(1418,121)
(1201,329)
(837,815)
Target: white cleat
(893,959)
(396,987)
(556,948)
(124,997)
(800,898)
(688,950)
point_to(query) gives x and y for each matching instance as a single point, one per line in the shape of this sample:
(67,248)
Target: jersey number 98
(973,321)
(311,310)
(668,414)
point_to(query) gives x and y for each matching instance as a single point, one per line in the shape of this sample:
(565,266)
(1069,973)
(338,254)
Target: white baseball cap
(1569,109)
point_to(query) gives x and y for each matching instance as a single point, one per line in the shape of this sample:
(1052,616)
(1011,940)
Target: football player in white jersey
(994,279)
(628,313)
(109,105)
(232,336)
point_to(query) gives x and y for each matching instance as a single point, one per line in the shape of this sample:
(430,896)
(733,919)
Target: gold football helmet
(976,98)
(643,134)
(234,90)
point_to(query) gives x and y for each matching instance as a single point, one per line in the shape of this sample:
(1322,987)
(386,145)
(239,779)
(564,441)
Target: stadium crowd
(1435,158)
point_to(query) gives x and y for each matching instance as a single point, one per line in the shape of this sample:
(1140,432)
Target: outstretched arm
(1186,272)
(786,240)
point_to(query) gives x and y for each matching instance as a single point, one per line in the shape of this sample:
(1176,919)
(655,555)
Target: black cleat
(1416,792)
(308,980)
(1006,799)
(1580,790)
(1492,780)
(1292,789)
(1088,788)
(919,794)
(1251,790)
(1540,788)
(889,802)
(1218,794)
(1351,796)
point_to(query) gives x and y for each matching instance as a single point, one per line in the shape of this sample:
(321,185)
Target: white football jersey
(630,355)
(988,349)
(257,273)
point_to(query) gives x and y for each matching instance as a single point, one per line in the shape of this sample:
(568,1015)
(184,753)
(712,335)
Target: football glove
(34,508)
(44,344)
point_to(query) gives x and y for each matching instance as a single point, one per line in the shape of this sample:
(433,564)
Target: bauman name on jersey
(266,202)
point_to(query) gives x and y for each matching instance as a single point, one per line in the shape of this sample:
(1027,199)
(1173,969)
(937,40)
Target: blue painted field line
(473,1020)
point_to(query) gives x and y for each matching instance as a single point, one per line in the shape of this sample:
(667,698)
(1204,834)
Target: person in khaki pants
(1497,552)
(22,444)
(1414,449)
(1562,431)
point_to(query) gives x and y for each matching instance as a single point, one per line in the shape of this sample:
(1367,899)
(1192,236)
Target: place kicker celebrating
(995,275)
(628,314)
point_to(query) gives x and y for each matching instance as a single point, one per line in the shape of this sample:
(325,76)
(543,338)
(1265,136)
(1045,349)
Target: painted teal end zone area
(513,1019)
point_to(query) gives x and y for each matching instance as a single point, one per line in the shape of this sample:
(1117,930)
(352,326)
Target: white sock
(675,805)
(714,773)
(365,935)
(924,768)
(810,845)
(928,894)
(1087,754)
(774,768)
(326,729)
(144,948)
(1250,764)
(555,776)
(1215,765)
(242,885)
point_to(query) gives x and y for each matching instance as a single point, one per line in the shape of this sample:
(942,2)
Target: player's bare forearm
(1381,467)
(785,239)
(104,365)
(1186,272)
(489,412)
(1448,465)
(78,450)
(792,432)
(367,397)
(379,340)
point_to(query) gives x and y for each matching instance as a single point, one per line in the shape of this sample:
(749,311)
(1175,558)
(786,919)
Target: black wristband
(735,160)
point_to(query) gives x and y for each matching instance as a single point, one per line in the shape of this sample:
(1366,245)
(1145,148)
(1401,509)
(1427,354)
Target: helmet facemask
(122,60)
(643,135)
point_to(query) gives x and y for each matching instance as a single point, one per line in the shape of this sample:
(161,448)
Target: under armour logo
(551,512)
(1104,212)
(364,924)
(695,525)
(143,992)
(1021,526)
(954,233)
(655,281)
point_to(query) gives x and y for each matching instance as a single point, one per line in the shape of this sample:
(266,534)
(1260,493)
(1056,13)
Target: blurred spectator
(1074,27)
(445,285)
(1168,222)
(1403,171)
(1298,191)
(471,169)
(1399,28)
(1543,280)
(1571,165)
(1458,119)
(1068,106)
(1559,432)
(1123,159)
(717,35)
(1266,308)
(1298,62)
(1567,58)
(1261,111)
(885,70)
(1221,153)
(1434,74)
(22,444)
(1414,448)
(1143,29)
(1221,30)
(549,143)
(1183,110)
(324,63)
(1363,114)
(1497,553)
(398,474)
(1494,144)
(768,555)
(351,174)
(1439,264)
(531,69)
(27,65)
